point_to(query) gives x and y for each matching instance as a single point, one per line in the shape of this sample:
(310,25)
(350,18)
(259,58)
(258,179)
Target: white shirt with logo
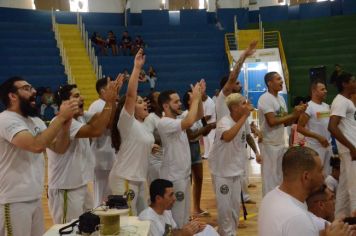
(269,103)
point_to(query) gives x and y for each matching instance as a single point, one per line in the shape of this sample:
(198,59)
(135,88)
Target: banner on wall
(261,55)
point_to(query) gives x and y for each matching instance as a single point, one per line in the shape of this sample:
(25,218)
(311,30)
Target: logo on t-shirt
(322,114)
(130,194)
(281,112)
(224,189)
(168,231)
(179,196)
(37,130)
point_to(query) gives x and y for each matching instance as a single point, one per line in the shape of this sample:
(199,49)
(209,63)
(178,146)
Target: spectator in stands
(99,42)
(338,70)
(332,180)
(321,205)
(152,77)
(159,213)
(139,43)
(126,74)
(126,44)
(111,42)
(48,108)
(143,76)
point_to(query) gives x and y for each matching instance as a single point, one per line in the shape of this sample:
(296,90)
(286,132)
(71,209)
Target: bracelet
(107,108)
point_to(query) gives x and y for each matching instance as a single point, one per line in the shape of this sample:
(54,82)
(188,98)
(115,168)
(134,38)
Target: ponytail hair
(115,133)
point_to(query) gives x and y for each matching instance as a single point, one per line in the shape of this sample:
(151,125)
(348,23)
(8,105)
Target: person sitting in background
(332,180)
(152,77)
(48,108)
(126,44)
(126,74)
(143,76)
(111,42)
(99,42)
(159,213)
(321,205)
(139,43)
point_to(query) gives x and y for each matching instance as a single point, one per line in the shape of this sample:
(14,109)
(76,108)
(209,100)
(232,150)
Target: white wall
(25,4)
(113,6)
(138,5)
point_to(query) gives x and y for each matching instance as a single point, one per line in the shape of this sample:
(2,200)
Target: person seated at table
(162,198)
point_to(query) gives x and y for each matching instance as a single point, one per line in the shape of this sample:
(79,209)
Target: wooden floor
(248,227)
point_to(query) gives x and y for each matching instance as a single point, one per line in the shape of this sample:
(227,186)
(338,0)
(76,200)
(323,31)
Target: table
(129,226)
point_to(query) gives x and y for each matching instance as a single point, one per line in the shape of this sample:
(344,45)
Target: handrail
(227,49)
(275,40)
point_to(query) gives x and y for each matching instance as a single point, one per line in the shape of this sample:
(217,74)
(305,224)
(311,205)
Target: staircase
(245,37)
(82,71)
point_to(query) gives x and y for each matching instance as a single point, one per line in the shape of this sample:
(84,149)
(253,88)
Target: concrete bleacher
(28,48)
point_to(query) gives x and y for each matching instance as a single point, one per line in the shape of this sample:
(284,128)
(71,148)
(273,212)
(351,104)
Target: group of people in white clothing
(126,144)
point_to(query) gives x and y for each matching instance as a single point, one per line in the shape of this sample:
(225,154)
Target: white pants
(346,190)
(208,143)
(181,208)
(208,231)
(135,191)
(272,175)
(101,186)
(244,179)
(153,171)
(228,195)
(325,155)
(22,218)
(68,204)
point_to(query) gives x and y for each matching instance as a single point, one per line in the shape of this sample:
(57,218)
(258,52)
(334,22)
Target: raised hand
(196,91)
(110,93)
(120,78)
(69,108)
(139,59)
(251,49)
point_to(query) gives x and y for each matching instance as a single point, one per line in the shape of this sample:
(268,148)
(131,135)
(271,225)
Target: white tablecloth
(129,226)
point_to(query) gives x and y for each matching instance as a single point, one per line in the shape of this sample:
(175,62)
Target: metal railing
(62,51)
(89,47)
(227,48)
(273,39)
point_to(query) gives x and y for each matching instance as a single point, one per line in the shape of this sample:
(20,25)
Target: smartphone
(350,220)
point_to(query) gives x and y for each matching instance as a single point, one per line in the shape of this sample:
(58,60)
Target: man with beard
(176,163)
(70,172)
(273,116)
(283,211)
(23,139)
(313,124)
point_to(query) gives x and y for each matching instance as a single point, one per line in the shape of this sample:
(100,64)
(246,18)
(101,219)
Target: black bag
(88,223)
(117,202)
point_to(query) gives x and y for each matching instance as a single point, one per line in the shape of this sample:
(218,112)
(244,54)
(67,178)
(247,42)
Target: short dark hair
(314,83)
(64,93)
(297,160)
(186,98)
(158,188)
(165,97)
(269,77)
(297,100)
(317,195)
(344,77)
(8,87)
(223,81)
(101,83)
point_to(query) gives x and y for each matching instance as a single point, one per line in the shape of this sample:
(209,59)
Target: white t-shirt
(21,171)
(331,183)
(318,222)
(101,147)
(74,168)
(196,126)
(281,214)
(151,121)
(221,107)
(176,163)
(209,110)
(136,145)
(160,224)
(319,115)
(267,104)
(346,109)
(226,159)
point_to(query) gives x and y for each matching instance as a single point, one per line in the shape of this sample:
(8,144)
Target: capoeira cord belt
(128,197)
(65,206)
(8,226)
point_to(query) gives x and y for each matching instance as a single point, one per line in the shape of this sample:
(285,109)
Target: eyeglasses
(27,88)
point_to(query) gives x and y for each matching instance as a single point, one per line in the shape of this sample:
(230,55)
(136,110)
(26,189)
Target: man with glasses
(23,139)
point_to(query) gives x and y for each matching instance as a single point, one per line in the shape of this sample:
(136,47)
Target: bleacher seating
(28,48)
